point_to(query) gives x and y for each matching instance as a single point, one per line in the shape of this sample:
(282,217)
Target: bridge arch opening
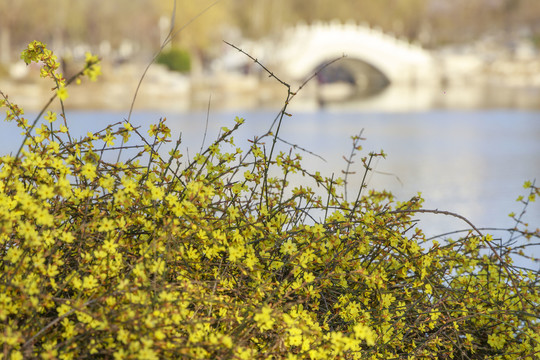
(349,78)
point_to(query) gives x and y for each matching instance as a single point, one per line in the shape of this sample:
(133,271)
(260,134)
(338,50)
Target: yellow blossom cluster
(214,258)
(38,52)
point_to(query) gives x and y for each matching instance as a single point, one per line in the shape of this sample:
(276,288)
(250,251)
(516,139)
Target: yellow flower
(54,147)
(51,116)
(16,355)
(107,182)
(250,261)
(128,126)
(264,319)
(496,341)
(288,248)
(109,139)
(233,213)
(236,252)
(157,193)
(248,175)
(67,237)
(244,353)
(62,93)
(318,229)
(89,171)
(92,68)
(45,191)
(90,282)
(435,315)
(64,308)
(106,225)
(110,246)
(129,185)
(309,277)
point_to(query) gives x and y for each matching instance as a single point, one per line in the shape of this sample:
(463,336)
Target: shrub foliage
(215,258)
(175,59)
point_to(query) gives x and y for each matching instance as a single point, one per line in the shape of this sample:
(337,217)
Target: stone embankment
(160,89)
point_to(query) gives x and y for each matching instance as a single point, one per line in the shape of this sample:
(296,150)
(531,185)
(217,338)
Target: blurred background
(457,54)
(449,89)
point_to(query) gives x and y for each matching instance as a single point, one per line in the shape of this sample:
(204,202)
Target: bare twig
(349,160)
(206,123)
(301,148)
(279,117)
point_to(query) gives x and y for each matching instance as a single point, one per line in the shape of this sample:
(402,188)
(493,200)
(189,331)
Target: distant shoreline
(163,90)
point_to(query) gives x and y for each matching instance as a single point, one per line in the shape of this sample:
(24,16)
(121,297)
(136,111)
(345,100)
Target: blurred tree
(467,20)
(119,21)
(68,23)
(259,17)
(203,32)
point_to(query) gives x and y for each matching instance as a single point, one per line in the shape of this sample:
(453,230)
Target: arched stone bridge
(304,48)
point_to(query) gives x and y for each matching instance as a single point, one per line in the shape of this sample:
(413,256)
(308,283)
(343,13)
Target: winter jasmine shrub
(215,258)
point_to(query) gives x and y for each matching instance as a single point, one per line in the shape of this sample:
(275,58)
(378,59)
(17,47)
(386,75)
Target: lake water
(469,162)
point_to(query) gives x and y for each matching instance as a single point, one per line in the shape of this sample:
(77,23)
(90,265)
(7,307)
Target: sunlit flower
(288,247)
(51,116)
(62,93)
